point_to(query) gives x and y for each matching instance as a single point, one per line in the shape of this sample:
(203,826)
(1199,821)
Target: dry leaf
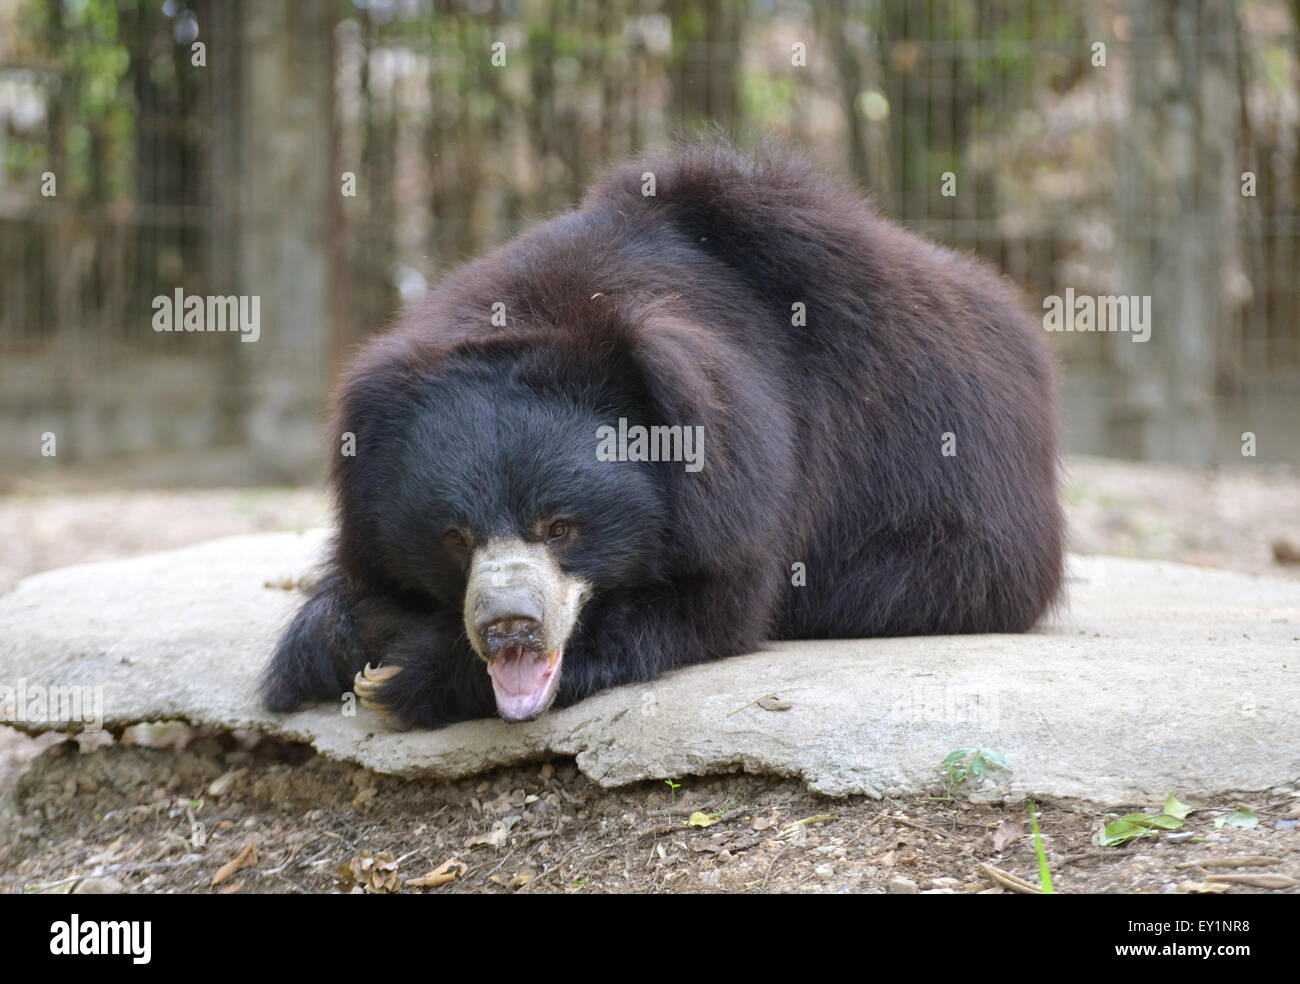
(375,873)
(448,871)
(1010,830)
(796,828)
(774,703)
(493,838)
(699,819)
(1201,888)
(246,857)
(523,878)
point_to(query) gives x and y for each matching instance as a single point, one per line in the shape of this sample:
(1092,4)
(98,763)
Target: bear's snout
(524,631)
(520,608)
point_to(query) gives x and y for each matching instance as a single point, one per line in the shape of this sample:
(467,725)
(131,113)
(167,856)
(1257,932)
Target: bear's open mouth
(524,681)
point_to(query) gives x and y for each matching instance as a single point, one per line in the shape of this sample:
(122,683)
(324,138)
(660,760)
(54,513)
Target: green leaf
(699,819)
(1125,829)
(1240,817)
(1044,872)
(1135,825)
(997,760)
(1176,809)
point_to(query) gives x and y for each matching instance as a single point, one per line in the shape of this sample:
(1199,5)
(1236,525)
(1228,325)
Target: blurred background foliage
(218,169)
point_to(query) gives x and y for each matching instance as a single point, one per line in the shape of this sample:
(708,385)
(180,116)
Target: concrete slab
(1155,678)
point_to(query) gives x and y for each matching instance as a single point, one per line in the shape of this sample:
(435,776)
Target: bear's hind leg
(962,585)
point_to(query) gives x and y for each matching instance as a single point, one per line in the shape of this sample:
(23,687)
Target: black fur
(823,442)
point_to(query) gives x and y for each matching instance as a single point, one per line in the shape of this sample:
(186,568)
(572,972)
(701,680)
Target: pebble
(222,784)
(902,886)
(99,886)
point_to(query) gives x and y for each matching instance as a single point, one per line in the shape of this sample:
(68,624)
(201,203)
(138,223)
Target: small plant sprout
(964,763)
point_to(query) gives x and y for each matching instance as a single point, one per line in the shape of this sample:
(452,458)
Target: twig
(533,836)
(921,826)
(114,869)
(659,831)
(1007,880)
(1244,861)
(791,827)
(750,704)
(330,833)
(1085,856)
(772,865)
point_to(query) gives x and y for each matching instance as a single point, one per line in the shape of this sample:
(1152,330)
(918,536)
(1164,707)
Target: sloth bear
(722,402)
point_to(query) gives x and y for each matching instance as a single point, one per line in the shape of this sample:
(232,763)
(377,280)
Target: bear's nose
(525,633)
(508,616)
(508,628)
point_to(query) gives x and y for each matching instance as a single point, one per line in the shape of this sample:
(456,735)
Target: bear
(724,401)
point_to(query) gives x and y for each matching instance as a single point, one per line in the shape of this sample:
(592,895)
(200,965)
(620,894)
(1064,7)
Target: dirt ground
(174,809)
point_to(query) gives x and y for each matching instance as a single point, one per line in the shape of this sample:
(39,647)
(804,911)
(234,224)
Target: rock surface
(1152,678)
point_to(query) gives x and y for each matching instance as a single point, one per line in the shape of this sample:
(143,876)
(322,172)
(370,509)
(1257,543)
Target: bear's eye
(558,531)
(455,540)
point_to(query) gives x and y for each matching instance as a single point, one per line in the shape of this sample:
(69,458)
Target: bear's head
(483,480)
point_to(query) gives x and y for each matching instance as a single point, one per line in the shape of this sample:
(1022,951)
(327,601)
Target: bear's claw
(370,682)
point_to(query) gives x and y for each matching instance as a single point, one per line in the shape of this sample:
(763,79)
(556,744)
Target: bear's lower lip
(524,681)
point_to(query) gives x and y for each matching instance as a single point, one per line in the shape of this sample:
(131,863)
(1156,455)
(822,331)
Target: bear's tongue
(519,671)
(523,681)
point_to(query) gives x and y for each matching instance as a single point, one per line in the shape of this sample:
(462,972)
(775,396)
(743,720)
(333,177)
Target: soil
(167,808)
(129,813)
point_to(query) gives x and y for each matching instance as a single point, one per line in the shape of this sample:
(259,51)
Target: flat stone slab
(1155,678)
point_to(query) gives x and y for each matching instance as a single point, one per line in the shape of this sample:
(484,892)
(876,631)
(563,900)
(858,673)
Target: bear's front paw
(370,685)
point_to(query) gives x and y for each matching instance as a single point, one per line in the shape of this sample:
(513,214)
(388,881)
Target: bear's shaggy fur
(885,464)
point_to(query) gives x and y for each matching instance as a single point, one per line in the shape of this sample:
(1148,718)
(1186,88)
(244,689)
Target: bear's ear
(682,368)
(697,375)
